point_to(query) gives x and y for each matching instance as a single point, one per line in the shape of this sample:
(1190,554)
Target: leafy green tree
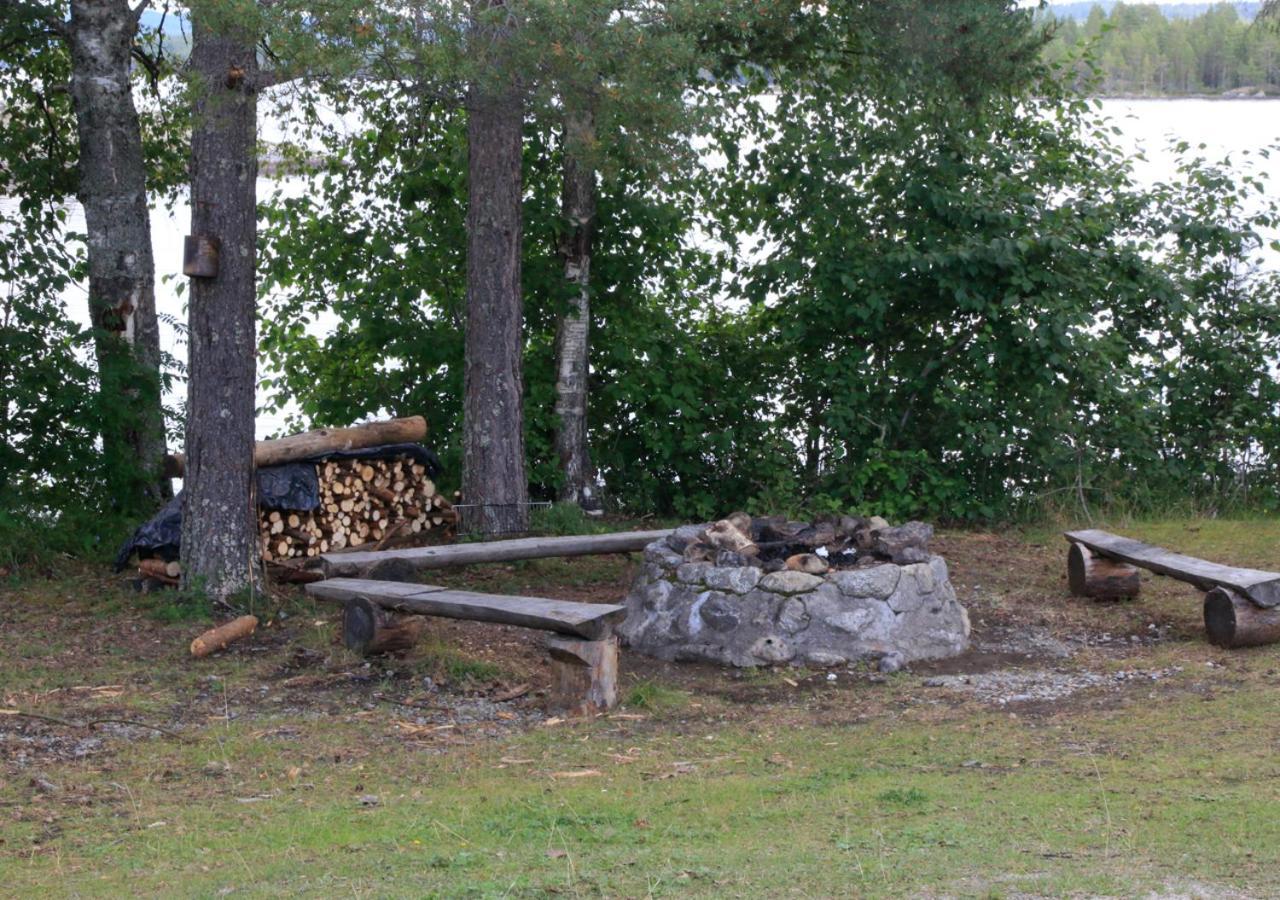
(98,137)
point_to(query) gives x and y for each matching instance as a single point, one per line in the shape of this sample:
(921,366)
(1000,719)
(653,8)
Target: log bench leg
(585,673)
(1233,621)
(1090,575)
(367,628)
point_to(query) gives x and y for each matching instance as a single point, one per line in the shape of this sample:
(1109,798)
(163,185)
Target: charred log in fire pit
(773,543)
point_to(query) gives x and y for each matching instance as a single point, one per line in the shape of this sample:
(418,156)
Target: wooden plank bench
(1241,608)
(583,646)
(397,565)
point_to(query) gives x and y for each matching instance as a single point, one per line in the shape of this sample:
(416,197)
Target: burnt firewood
(680,539)
(776,529)
(817,535)
(725,535)
(904,544)
(807,562)
(847,526)
(700,551)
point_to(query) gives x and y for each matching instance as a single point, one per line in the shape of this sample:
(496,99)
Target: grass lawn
(302,771)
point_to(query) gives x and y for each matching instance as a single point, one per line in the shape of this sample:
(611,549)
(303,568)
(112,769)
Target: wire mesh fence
(489,519)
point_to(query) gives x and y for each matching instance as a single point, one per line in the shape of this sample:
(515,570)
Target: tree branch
(67,723)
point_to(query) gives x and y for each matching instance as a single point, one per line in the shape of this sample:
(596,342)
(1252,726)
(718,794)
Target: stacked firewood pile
(773,543)
(363,503)
(373,488)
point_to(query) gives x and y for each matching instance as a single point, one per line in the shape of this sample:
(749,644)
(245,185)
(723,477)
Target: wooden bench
(398,565)
(1241,606)
(583,646)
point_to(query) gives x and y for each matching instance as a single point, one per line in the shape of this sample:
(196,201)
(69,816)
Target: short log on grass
(1232,621)
(585,673)
(223,636)
(369,629)
(1091,575)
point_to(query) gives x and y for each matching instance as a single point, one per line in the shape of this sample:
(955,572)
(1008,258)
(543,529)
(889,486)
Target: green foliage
(972,306)
(936,291)
(57,490)
(564,519)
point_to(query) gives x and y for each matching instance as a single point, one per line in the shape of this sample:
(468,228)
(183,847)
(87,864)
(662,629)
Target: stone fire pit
(745,615)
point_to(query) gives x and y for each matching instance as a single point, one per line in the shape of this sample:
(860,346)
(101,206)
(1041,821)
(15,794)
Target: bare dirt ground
(1035,651)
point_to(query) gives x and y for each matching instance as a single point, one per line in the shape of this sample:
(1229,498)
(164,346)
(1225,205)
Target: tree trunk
(493,465)
(219,533)
(122,300)
(573,336)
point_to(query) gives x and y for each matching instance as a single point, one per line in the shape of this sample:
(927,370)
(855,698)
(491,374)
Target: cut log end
(1232,621)
(586,675)
(1099,578)
(368,629)
(221,637)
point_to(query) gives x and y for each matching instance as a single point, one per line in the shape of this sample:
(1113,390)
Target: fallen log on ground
(1263,588)
(1232,621)
(323,440)
(405,562)
(220,638)
(1091,575)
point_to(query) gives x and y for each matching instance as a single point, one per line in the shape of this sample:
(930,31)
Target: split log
(367,628)
(585,673)
(1233,621)
(221,637)
(725,535)
(168,572)
(807,562)
(325,440)
(1091,575)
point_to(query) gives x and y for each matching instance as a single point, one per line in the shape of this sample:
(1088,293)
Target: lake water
(1225,128)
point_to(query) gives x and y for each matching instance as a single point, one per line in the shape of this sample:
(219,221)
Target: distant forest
(1152,50)
(1080,11)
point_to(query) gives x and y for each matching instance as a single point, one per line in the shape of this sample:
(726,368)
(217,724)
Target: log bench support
(1232,621)
(368,629)
(585,673)
(1091,575)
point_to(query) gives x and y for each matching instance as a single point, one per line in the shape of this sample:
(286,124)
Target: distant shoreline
(1246,99)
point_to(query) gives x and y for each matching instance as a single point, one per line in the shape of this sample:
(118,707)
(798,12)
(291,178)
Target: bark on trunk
(493,469)
(219,533)
(573,335)
(122,300)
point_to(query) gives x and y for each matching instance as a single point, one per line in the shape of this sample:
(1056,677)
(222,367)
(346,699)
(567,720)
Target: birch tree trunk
(219,547)
(122,300)
(573,334)
(493,467)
